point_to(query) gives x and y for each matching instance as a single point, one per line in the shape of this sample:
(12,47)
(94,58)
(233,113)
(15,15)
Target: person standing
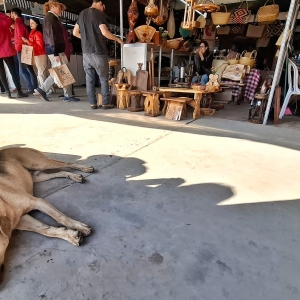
(39,52)
(20,32)
(92,30)
(7,53)
(55,47)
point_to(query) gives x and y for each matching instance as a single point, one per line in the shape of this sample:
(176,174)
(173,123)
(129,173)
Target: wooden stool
(152,103)
(135,101)
(175,107)
(123,100)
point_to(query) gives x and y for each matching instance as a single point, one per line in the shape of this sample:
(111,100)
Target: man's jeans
(28,74)
(96,64)
(48,83)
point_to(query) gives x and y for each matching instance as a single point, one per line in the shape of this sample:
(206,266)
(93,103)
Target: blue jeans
(28,74)
(96,64)
(204,79)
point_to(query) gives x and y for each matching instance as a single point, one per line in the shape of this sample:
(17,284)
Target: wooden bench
(175,107)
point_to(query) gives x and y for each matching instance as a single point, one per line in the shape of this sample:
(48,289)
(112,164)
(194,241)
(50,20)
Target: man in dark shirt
(55,47)
(92,30)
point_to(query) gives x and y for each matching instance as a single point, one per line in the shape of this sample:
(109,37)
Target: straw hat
(47,6)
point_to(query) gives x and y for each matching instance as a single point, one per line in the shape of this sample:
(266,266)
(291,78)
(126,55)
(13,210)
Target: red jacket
(6,47)
(37,42)
(20,31)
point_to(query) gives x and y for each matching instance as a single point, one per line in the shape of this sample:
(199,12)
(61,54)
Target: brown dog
(16,196)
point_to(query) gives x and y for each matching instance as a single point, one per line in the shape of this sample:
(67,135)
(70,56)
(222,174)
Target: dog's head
(5,232)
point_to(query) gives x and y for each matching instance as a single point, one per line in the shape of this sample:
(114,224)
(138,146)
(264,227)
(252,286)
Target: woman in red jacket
(36,40)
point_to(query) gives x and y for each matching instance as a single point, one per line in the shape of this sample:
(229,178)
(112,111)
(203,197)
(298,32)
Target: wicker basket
(175,44)
(144,33)
(249,61)
(235,60)
(221,18)
(268,14)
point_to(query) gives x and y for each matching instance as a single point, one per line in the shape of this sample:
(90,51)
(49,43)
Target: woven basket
(268,14)
(249,61)
(234,61)
(175,44)
(221,18)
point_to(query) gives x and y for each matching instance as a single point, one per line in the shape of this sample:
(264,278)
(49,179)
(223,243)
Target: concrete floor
(180,210)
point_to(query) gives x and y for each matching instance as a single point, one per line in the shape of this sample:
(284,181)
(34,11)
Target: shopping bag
(255,31)
(223,30)
(274,29)
(27,55)
(268,14)
(237,29)
(62,76)
(234,72)
(241,15)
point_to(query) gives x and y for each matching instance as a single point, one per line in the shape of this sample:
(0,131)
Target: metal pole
(281,57)
(4,4)
(121,30)
(159,65)
(171,65)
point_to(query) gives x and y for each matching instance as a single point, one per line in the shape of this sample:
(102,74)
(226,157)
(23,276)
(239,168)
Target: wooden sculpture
(133,15)
(123,99)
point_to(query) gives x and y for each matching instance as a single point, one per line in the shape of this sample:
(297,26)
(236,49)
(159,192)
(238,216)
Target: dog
(19,169)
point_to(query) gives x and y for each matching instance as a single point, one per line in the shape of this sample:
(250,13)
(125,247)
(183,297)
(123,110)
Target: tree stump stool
(175,107)
(135,101)
(123,100)
(151,103)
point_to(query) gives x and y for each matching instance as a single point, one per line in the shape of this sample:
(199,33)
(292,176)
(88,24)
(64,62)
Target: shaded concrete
(179,210)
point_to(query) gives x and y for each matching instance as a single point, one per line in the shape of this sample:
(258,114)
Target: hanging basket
(207,6)
(268,14)
(221,18)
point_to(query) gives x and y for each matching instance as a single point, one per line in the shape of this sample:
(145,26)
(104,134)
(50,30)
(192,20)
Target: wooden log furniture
(195,102)
(123,99)
(135,101)
(151,103)
(175,107)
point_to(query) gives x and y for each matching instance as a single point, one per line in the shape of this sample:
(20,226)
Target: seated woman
(203,62)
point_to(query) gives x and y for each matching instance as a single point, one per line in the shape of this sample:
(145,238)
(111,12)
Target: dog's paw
(77,241)
(85,229)
(88,169)
(77,178)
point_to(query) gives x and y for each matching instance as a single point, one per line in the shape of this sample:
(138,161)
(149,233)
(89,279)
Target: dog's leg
(47,208)
(35,160)
(40,177)
(29,223)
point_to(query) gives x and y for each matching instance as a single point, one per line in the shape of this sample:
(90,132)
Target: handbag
(275,29)
(27,55)
(62,76)
(241,15)
(268,14)
(237,29)
(223,30)
(255,31)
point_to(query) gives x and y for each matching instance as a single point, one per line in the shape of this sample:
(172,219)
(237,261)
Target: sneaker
(2,92)
(71,99)
(20,94)
(94,106)
(41,94)
(30,92)
(107,106)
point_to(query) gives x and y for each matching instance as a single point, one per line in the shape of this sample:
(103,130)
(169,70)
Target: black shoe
(30,92)
(41,94)
(8,95)
(107,106)
(20,94)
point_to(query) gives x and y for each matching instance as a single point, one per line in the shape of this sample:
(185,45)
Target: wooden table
(194,103)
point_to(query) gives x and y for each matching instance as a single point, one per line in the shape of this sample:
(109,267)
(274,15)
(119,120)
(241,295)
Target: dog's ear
(5,226)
